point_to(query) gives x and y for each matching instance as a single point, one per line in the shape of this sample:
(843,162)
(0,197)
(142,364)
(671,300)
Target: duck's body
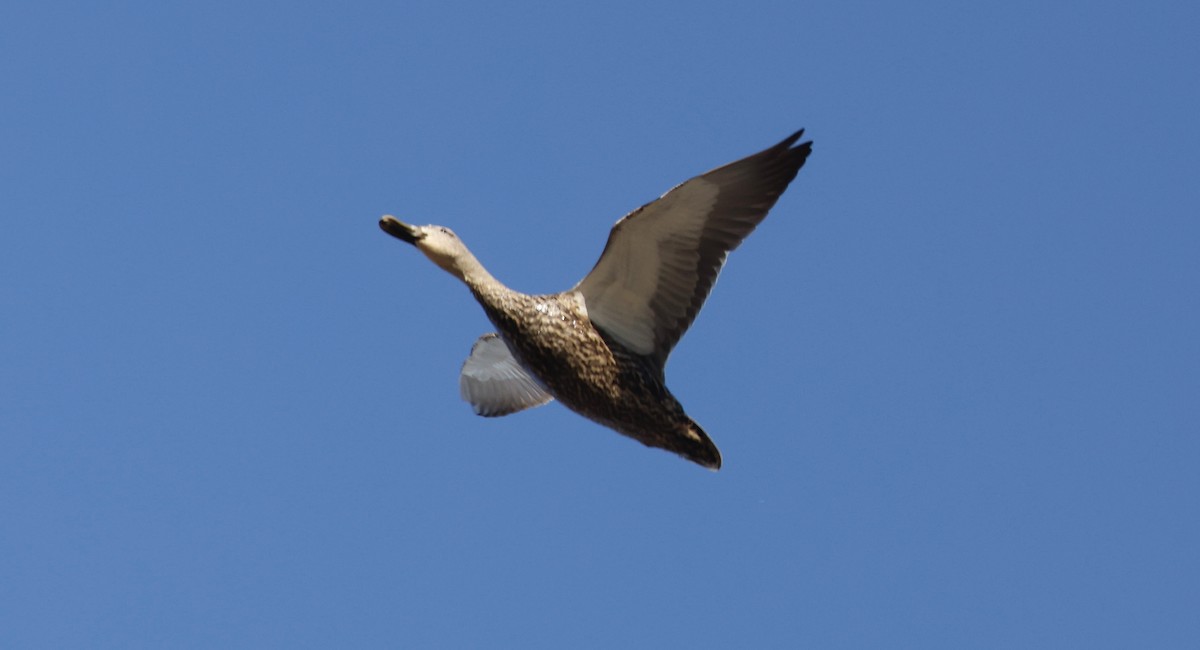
(594,375)
(601,347)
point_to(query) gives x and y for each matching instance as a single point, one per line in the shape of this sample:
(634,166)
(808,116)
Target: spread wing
(494,383)
(662,259)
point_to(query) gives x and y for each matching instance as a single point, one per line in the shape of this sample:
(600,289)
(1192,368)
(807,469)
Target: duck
(601,347)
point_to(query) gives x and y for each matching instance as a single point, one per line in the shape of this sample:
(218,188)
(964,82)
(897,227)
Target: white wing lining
(494,383)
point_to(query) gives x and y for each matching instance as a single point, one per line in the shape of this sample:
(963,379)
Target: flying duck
(600,348)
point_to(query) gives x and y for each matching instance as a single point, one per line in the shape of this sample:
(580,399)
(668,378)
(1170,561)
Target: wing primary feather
(648,301)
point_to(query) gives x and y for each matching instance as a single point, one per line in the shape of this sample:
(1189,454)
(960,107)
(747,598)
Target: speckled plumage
(601,347)
(593,374)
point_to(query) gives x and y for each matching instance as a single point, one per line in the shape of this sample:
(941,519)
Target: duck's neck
(489,291)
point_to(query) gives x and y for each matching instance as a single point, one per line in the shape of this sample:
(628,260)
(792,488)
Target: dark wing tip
(791,139)
(800,151)
(778,165)
(787,142)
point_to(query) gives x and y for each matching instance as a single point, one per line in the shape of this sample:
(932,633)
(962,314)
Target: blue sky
(954,375)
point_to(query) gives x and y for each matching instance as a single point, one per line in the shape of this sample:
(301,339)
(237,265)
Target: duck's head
(438,243)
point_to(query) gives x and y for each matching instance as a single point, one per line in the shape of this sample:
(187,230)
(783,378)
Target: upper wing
(662,259)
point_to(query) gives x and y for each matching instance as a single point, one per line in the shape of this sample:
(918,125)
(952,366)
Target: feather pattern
(662,259)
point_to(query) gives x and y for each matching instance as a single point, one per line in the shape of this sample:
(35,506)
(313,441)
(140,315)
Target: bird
(601,347)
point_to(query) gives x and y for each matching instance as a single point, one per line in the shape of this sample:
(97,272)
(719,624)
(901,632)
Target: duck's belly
(586,371)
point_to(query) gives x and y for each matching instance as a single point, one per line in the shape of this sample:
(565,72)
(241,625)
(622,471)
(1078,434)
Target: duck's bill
(400,230)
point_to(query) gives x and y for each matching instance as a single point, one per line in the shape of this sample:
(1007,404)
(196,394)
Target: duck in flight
(601,347)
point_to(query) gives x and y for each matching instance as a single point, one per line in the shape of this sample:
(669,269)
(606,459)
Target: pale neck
(487,289)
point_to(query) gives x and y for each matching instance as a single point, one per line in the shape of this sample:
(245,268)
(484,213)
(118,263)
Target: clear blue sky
(954,375)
